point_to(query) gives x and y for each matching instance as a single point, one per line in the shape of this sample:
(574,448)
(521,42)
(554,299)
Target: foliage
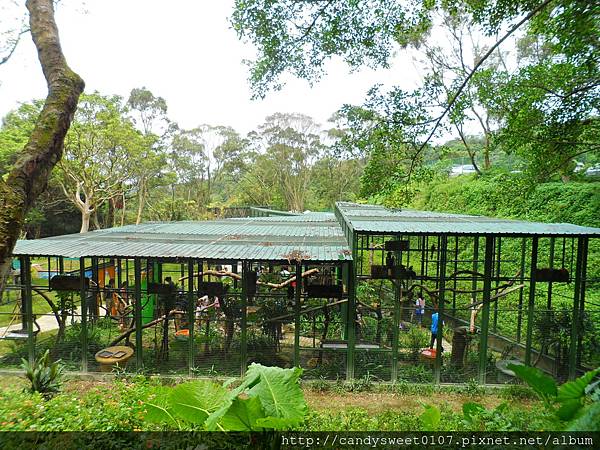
(430,418)
(299,36)
(479,418)
(14,134)
(272,399)
(118,406)
(553,331)
(44,375)
(544,108)
(415,373)
(576,401)
(415,338)
(98,146)
(505,195)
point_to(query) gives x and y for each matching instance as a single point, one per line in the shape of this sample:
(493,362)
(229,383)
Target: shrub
(45,376)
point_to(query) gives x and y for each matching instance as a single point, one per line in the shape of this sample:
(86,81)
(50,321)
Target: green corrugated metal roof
(266,212)
(311,236)
(378,219)
(259,238)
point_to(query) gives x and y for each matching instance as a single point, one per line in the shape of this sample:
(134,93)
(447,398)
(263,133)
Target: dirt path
(375,402)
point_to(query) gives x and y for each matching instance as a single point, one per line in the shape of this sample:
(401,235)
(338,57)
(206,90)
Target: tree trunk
(85,221)
(141,201)
(487,163)
(95,220)
(29,175)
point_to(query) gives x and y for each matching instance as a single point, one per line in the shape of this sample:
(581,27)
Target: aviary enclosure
(333,293)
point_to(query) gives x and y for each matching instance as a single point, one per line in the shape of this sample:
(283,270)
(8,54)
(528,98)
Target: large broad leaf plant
(267,398)
(576,402)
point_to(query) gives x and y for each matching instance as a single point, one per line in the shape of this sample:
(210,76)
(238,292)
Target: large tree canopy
(551,93)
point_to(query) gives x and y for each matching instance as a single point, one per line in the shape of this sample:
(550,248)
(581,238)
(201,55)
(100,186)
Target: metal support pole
(520,307)
(244,334)
(99,293)
(137,313)
(498,261)
(350,320)
(297,293)
(582,299)
(84,316)
(475,268)
(118,273)
(191,318)
(576,300)
(442,259)
(27,306)
(551,265)
(396,329)
(455,277)
(344,306)
(485,312)
(437,265)
(423,256)
(426,255)
(397,316)
(531,305)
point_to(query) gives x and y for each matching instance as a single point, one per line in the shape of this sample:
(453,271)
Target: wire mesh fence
(185,328)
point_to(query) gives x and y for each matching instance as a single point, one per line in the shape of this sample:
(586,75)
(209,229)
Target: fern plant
(44,375)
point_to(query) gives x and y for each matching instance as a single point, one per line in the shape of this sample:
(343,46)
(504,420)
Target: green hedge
(506,196)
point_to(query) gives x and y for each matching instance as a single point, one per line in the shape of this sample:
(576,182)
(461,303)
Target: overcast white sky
(184,51)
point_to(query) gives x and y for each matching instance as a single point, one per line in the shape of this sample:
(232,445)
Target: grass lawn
(40,306)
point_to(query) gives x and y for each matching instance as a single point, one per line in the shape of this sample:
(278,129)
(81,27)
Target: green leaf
(228,382)
(280,394)
(430,418)
(196,400)
(242,415)
(158,409)
(471,409)
(576,389)
(588,419)
(569,409)
(274,423)
(212,421)
(541,383)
